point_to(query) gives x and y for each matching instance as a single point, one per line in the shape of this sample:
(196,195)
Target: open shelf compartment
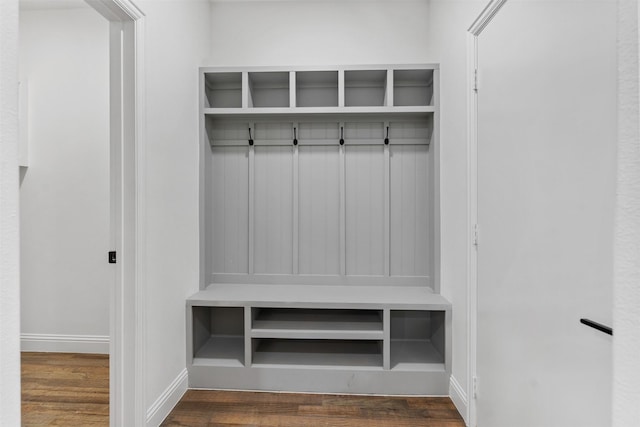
(417,340)
(218,336)
(223,90)
(316,89)
(412,87)
(290,353)
(365,88)
(317,323)
(268,89)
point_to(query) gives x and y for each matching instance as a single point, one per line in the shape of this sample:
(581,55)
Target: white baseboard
(163,405)
(98,344)
(459,398)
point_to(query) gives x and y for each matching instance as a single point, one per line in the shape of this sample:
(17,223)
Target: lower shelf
(281,353)
(221,351)
(415,355)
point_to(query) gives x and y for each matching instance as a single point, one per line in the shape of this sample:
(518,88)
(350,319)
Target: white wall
(176,44)
(317,32)
(9,221)
(64,195)
(547,165)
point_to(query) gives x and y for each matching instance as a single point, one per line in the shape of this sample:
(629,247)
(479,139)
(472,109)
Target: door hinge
(475,80)
(476,234)
(112,257)
(475,387)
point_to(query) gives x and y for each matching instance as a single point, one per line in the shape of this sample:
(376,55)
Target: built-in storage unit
(319,228)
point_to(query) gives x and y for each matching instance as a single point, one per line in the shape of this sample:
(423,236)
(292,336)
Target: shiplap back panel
(273,216)
(253,227)
(364,210)
(409,236)
(230,209)
(359,131)
(319,210)
(274,131)
(318,131)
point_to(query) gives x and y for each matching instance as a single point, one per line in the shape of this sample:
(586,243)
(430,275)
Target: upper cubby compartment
(316,88)
(413,87)
(223,90)
(365,88)
(268,89)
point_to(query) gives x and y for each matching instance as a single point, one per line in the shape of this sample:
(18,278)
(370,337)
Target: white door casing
(127,159)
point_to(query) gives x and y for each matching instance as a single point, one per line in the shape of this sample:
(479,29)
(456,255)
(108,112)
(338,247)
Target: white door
(546,187)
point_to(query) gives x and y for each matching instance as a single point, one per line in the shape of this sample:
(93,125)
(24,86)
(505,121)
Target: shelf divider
(386,341)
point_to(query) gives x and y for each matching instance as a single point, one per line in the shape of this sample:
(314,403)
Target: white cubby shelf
(320,232)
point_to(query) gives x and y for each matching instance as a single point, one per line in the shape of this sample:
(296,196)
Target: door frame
(127,191)
(475,30)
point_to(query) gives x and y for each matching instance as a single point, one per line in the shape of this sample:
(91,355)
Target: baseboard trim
(459,398)
(163,405)
(98,344)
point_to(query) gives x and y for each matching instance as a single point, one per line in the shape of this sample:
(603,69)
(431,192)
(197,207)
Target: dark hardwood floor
(65,389)
(228,408)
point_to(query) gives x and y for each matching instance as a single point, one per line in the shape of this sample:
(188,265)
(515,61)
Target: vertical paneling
(273,210)
(230,210)
(409,210)
(319,214)
(364,210)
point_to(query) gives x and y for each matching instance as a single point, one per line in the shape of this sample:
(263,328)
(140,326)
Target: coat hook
(250,138)
(386,140)
(295,137)
(341,135)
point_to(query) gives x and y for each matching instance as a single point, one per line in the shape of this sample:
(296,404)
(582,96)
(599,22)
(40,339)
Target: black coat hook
(341,135)
(386,140)
(295,137)
(250,138)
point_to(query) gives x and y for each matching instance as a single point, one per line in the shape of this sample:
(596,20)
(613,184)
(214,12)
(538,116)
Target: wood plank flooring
(250,409)
(65,389)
